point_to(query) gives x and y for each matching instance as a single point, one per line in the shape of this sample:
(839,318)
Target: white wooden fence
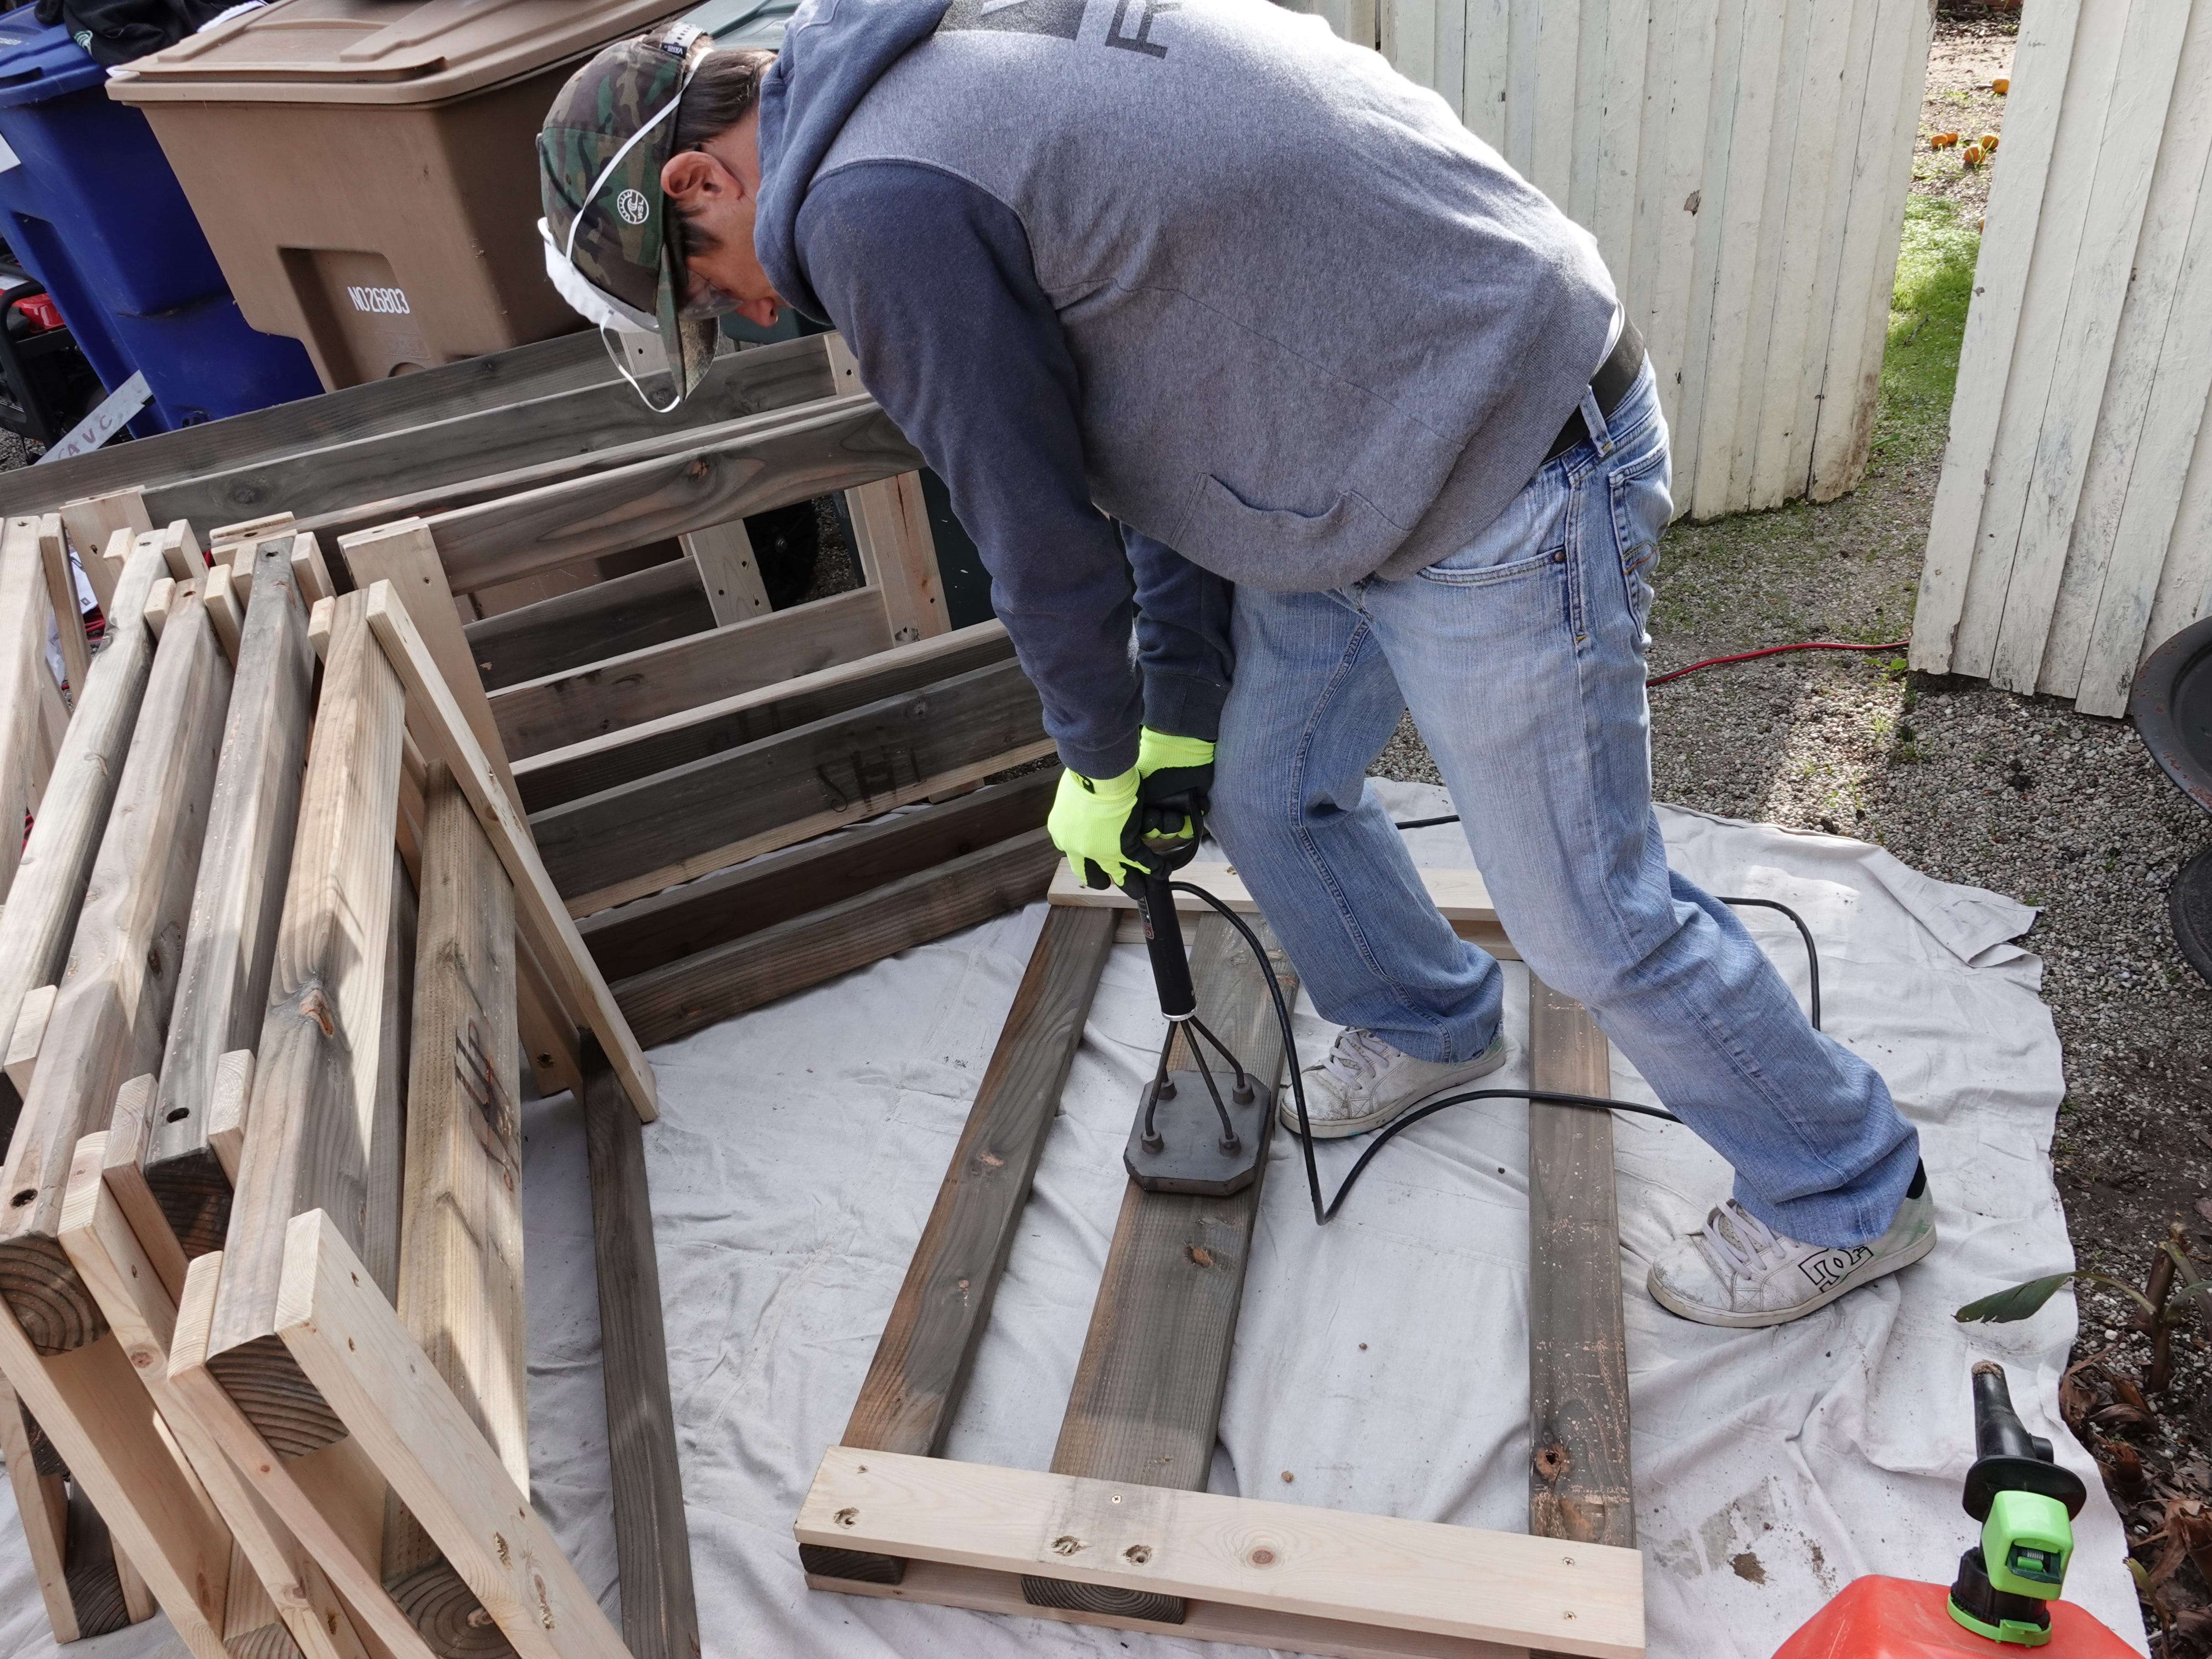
(1743,164)
(2072,522)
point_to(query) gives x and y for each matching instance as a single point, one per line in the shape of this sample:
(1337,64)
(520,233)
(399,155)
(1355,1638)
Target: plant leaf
(2016,1301)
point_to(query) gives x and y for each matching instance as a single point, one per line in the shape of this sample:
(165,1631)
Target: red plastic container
(1878,1618)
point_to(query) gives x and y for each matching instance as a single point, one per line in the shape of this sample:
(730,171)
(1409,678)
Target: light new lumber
(129,1129)
(461,1250)
(318,1108)
(1291,1559)
(120,1454)
(113,1009)
(578,704)
(309,571)
(142,1313)
(938,1584)
(220,594)
(181,548)
(29,1035)
(40,915)
(691,734)
(61,595)
(351,1344)
(160,598)
(722,553)
(91,522)
(653,1541)
(230,943)
(792,457)
(638,838)
(225,1115)
(331,1500)
(25,757)
(42,1502)
(544,923)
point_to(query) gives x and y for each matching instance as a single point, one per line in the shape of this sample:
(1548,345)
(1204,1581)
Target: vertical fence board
(1483,89)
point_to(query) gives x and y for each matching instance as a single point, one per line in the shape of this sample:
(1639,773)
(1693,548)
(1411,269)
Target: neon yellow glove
(1088,816)
(1175,776)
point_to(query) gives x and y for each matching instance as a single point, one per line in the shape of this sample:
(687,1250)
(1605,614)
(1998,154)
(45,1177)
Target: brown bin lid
(378,52)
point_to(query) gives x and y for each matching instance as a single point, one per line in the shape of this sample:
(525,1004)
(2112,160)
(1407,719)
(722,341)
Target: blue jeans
(1521,657)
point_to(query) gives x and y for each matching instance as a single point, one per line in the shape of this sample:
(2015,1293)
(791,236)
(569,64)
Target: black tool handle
(1163,943)
(1998,1432)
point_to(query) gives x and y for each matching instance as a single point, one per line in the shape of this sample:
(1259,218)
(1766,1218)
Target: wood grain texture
(316,1104)
(849,442)
(1156,1543)
(62,599)
(722,553)
(783,885)
(651,606)
(921,1364)
(25,757)
(28,1037)
(1146,1400)
(460,1264)
(653,1545)
(229,948)
(91,523)
(42,1503)
(1579,1485)
(640,837)
(691,734)
(550,945)
(128,1130)
(572,706)
(112,1007)
(276,1597)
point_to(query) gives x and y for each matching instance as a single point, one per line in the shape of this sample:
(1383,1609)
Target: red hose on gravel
(1770,651)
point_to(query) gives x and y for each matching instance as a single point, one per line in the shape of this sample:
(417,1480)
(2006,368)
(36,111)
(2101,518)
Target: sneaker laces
(1739,1241)
(1358,1055)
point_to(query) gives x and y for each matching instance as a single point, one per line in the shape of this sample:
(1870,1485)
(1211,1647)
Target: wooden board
(574,705)
(351,1343)
(919,1371)
(695,991)
(849,442)
(62,599)
(25,754)
(1163,1543)
(622,843)
(547,930)
(229,945)
(722,553)
(783,885)
(1578,1479)
(318,1110)
(1146,1400)
(41,915)
(890,533)
(675,739)
(91,523)
(42,1502)
(113,1008)
(651,606)
(652,1543)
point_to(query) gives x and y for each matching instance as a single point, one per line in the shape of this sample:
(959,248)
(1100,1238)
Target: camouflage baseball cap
(607,249)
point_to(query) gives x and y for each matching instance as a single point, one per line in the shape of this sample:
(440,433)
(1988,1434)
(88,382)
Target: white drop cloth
(1381,1361)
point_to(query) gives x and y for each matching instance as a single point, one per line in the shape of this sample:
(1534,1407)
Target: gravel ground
(2018,794)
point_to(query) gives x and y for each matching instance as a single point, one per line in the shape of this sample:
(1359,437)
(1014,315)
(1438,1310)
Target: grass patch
(1927,325)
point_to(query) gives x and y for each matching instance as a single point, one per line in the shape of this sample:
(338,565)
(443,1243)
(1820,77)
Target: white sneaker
(1737,1271)
(1364,1082)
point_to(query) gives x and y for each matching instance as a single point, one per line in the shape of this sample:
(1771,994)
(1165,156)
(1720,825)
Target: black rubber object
(2171,707)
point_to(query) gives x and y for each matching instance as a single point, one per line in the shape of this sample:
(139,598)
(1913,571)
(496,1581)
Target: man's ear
(692,176)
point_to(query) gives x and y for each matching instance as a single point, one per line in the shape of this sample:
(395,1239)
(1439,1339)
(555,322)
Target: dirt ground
(2018,794)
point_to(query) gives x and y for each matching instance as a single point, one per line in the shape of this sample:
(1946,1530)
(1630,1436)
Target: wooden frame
(1120,1531)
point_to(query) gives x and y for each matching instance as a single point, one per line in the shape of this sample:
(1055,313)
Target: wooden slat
(25,758)
(651,606)
(460,1264)
(723,556)
(546,928)
(351,1344)
(269,1567)
(229,946)
(920,1368)
(621,844)
(29,1035)
(316,1101)
(782,885)
(113,1008)
(42,1501)
(850,442)
(1579,1486)
(1146,1401)
(575,705)
(91,522)
(1158,1544)
(653,1544)
(638,751)
(61,596)
(695,991)
(96,1572)
(128,1130)
(890,533)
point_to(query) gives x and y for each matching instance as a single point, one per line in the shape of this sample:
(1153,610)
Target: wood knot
(1197,1255)
(1064,1545)
(316,1006)
(1261,1556)
(1552,1463)
(846,1517)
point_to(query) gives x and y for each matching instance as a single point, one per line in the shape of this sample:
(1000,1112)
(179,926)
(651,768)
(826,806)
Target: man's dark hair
(724,90)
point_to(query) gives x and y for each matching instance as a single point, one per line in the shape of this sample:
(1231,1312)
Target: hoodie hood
(834,51)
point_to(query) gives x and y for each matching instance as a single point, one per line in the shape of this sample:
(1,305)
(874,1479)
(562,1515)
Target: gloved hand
(1088,817)
(1175,778)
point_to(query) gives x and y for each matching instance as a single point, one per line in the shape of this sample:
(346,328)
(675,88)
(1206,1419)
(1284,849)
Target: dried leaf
(2130,1391)
(2118,1416)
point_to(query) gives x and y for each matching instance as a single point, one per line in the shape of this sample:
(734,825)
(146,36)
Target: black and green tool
(2026,1505)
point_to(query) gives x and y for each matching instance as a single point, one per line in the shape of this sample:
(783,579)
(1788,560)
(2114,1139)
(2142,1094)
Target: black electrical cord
(1326,1212)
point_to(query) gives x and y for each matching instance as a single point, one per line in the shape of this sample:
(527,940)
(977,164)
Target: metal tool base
(1189,1157)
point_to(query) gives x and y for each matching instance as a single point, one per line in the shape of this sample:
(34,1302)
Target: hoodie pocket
(1281,548)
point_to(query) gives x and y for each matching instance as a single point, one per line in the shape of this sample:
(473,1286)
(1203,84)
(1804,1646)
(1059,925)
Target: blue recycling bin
(91,206)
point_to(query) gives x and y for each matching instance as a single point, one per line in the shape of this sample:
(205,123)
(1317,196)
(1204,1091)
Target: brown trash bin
(366,171)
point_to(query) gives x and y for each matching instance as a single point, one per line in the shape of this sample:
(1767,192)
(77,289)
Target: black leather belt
(1611,382)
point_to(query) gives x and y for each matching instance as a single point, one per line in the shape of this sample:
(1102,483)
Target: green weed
(1926,324)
